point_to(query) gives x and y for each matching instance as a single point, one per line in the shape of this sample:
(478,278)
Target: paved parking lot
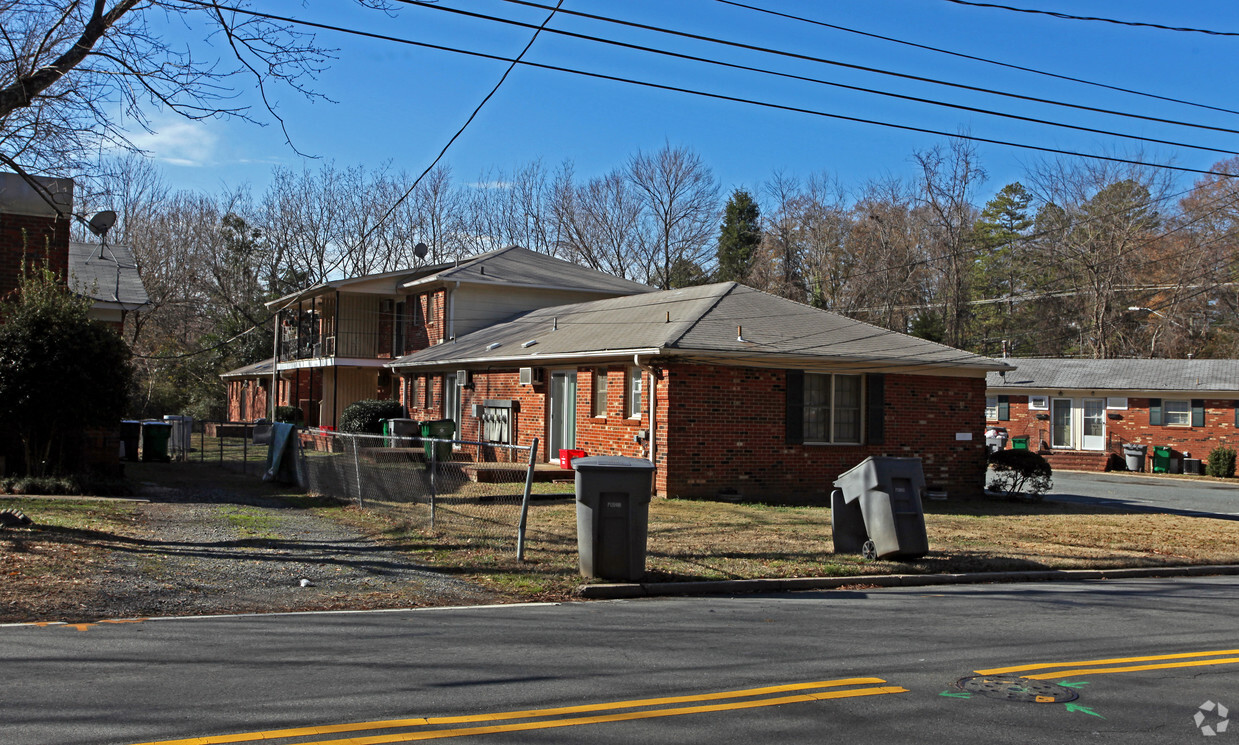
(1157,494)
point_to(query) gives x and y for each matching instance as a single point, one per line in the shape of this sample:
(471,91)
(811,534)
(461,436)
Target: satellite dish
(420,250)
(102,222)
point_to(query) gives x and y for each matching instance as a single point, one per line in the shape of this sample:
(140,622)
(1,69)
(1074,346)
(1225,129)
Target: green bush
(1221,462)
(367,416)
(1020,473)
(289,414)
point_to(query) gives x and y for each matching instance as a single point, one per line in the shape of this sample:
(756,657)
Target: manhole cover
(1017,689)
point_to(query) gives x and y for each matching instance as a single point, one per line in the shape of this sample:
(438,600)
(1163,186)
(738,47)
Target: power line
(819,81)
(975,58)
(1070,17)
(837,63)
(718,96)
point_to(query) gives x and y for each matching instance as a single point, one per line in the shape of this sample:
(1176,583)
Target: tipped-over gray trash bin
(888,492)
(612,515)
(1134,456)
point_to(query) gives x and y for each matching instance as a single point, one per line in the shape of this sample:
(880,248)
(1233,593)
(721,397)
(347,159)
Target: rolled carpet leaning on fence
(282,454)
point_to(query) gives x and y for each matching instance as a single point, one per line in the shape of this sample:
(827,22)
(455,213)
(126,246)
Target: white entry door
(1094,424)
(562,434)
(1060,423)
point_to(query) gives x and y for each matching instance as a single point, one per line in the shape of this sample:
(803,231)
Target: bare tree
(73,74)
(950,177)
(599,224)
(681,203)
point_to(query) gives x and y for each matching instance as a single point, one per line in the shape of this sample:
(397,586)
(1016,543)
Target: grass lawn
(691,540)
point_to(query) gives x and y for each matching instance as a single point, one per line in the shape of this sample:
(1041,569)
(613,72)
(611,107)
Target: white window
(991,407)
(832,408)
(1117,402)
(1177,413)
(634,392)
(599,403)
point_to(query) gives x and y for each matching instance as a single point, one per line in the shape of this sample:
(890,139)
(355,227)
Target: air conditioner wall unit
(531,375)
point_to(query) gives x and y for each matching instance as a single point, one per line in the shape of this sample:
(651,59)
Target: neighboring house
(34,231)
(335,339)
(1082,411)
(107,275)
(729,390)
(249,389)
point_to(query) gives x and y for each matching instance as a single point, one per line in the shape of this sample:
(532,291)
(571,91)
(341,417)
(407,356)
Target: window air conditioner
(531,375)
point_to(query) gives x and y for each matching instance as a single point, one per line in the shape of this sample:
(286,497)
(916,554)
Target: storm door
(1094,424)
(562,433)
(1060,423)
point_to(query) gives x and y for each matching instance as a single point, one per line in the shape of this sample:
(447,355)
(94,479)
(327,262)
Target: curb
(620,591)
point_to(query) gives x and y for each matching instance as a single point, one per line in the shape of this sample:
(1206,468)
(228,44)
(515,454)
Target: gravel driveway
(215,542)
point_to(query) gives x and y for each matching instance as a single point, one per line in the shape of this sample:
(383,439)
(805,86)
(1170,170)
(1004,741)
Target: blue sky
(399,104)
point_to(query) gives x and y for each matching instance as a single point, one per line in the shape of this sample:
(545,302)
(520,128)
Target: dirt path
(212,542)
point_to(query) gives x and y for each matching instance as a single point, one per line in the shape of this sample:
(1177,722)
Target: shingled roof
(106,274)
(255,370)
(1119,375)
(724,323)
(513,266)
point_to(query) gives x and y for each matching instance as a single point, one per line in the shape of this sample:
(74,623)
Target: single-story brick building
(1083,411)
(729,390)
(248,390)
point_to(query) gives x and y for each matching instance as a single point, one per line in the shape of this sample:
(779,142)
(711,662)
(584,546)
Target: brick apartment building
(728,390)
(1081,412)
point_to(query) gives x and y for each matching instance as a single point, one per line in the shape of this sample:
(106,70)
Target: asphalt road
(858,667)
(1180,496)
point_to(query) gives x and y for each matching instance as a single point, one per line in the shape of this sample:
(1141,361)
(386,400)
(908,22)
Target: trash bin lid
(599,462)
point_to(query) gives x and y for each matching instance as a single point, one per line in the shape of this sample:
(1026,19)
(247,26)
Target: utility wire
(837,63)
(975,58)
(1070,17)
(861,89)
(348,251)
(716,96)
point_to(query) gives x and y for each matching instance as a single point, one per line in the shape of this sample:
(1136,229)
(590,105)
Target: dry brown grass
(691,540)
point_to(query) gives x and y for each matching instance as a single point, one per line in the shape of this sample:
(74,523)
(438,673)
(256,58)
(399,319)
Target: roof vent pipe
(740,334)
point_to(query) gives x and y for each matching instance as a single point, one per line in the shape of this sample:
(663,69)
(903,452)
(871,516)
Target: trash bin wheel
(869,551)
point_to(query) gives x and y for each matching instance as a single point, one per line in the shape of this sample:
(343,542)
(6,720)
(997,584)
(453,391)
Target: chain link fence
(475,488)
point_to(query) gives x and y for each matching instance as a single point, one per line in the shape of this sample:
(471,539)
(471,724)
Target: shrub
(289,414)
(1221,462)
(366,416)
(1020,473)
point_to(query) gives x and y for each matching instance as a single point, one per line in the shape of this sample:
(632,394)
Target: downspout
(449,299)
(274,395)
(653,433)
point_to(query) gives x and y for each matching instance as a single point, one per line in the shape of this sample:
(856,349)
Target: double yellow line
(1119,664)
(566,716)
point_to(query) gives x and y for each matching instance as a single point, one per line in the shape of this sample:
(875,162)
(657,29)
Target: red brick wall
(34,239)
(255,397)
(721,429)
(1133,426)
(727,429)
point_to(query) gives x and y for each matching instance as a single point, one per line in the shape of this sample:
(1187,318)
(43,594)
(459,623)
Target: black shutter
(1198,412)
(1004,408)
(795,407)
(1155,412)
(875,414)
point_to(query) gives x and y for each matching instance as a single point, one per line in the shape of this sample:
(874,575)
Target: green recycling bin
(155,436)
(1019,443)
(1161,459)
(439,429)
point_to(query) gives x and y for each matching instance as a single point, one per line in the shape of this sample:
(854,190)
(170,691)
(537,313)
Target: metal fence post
(202,442)
(357,467)
(220,439)
(245,449)
(434,463)
(520,526)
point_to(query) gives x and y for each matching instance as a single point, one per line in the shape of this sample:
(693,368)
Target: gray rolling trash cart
(612,515)
(876,509)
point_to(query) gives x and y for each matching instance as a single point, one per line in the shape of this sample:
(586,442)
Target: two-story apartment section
(334,339)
